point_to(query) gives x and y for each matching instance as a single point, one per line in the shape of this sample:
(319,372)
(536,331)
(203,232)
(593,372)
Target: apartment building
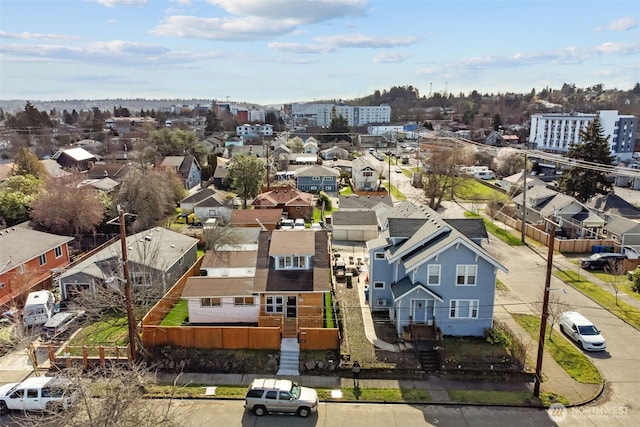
(556,132)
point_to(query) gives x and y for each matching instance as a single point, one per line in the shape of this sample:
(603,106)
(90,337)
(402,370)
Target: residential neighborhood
(306,253)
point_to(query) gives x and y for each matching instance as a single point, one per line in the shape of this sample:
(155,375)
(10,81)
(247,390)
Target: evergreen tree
(245,175)
(582,182)
(27,163)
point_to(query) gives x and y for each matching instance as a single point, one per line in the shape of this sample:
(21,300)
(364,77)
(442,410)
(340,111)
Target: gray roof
(473,228)
(198,196)
(20,244)
(354,218)
(619,226)
(361,163)
(614,204)
(317,170)
(167,247)
(354,201)
(405,285)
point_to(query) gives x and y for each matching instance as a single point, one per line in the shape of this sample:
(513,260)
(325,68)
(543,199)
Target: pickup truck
(37,394)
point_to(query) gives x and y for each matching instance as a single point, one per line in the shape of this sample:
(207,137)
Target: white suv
(582,331)
(272,395)
(37,394)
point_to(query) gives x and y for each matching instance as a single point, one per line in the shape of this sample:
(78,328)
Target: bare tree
(110,396)
(557,305)
(442,179)
(616,271)
(66,207)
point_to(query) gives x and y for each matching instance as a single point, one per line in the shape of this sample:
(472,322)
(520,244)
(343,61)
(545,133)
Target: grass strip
(564,352)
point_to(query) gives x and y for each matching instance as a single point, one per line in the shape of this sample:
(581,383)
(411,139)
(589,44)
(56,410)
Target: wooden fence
(88,356)
(560,245)
(319,339)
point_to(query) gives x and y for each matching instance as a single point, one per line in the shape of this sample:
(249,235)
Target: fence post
(67,354)
(101,353)
(85,356)
(52,355)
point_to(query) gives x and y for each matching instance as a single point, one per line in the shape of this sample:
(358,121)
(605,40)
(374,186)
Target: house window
(463,309)
(367,173)
(378,285)
(43,259)
(433,275)
(292,262)
(243,301)
(274,304)
(210,302)
(379,255)
(466,275)
(316,178)
(58,251)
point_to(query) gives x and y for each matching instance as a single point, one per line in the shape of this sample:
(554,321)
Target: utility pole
(545,311)
(523,231)
(131,320)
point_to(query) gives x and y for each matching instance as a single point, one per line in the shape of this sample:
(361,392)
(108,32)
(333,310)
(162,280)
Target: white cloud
(114,3)
(362,40)
(297,10)
(247,28)
(36,36)
(623,24)
(391,57)
(299,48)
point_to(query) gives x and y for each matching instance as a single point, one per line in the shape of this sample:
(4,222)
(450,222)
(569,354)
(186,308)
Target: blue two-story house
(317,178)
(424,270)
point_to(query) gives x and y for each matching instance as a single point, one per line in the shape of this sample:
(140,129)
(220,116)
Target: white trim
(474,305)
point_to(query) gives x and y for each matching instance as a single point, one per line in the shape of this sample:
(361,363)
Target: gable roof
(20,244)
(619,226)
(112,170)
(556,203)
(78,154)
(538,192)
(317,170)
(361,163)
(198,196)
(249,216)
(287,196)
(404,286)
(167,246)
(611,203)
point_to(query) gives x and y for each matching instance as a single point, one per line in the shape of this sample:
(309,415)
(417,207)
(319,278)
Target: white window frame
(430,274)
(211,302)
(42,259)
(57,251)
(379,255)
(292,262)
(466,272)
(274,304)
(472,309)
(378,285)
(243,301)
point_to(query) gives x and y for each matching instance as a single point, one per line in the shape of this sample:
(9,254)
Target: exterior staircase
(429,359)
(289,357)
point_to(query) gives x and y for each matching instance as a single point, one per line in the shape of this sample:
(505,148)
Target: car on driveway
(602,261)
(299,224)
(267,395)
(582,331)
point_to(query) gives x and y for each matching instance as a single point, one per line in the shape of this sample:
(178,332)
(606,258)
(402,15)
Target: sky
(270,52)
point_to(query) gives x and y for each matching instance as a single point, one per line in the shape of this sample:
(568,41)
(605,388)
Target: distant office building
(322,114)
(556,132)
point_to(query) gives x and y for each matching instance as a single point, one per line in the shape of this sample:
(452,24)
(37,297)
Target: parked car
(299,224)
(602,260)
(274,395)
(582,331)
(315,226)
(286,224)
(37,394)
(398,170)
(60,323)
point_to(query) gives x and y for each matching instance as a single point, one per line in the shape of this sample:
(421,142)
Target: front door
(419,310)
(430,311)
(292,306)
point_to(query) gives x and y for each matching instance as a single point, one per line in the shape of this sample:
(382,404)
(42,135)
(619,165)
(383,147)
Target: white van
(39,308)
(484,175)
(582,331)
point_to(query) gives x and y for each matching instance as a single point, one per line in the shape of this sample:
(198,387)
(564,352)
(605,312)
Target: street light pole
(545,311)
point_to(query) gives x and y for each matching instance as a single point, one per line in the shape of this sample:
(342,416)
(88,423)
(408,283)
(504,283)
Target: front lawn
(564,352)
(492,397)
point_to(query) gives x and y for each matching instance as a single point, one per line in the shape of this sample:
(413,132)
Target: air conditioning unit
(381,303)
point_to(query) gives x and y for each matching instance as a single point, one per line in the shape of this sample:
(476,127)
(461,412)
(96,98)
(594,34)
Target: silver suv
(272,395)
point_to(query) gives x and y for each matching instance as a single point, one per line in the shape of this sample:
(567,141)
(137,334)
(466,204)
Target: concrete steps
(289,357)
